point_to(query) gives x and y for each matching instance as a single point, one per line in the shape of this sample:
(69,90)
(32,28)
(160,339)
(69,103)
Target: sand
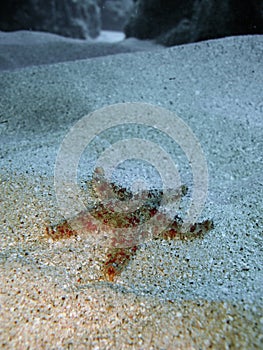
(204,293)
(23,48)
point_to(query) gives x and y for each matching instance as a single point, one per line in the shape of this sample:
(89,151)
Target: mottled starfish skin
(118,258)
(107,216)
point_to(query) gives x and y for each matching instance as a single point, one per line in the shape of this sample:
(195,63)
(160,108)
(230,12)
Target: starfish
(124,220)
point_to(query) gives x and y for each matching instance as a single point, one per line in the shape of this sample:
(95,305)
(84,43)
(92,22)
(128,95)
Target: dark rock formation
(176,22)
(115,13)
(70,18)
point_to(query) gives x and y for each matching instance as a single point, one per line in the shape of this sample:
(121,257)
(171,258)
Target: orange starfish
(125,219)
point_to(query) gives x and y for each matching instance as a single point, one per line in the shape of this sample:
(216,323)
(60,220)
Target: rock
(175,22)
(115,13)
(70,18)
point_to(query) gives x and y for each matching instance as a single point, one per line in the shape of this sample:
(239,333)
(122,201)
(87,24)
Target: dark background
(168,22)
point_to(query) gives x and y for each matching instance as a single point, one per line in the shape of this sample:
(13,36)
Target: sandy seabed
(195,294)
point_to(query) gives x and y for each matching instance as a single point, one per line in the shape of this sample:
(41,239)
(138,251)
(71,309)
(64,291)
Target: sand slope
(205,293)
(23,48)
